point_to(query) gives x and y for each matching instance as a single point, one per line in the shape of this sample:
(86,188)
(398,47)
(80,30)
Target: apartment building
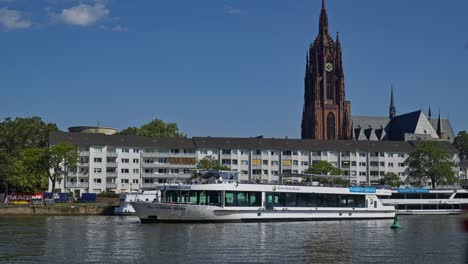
(120,163)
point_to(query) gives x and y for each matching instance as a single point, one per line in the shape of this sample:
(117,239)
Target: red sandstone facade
(326,114)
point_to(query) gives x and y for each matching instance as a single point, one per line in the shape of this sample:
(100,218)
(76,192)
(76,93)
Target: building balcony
(84,153)
(111,174)
(167,165)
(168,155)
(111,154)
(148,185)
(76,184)
(167,176)
(111,164)
(111,185)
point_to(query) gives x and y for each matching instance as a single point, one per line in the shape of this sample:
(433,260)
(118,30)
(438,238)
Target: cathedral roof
(446,128)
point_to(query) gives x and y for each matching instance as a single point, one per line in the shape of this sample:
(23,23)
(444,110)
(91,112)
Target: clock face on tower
(328,67)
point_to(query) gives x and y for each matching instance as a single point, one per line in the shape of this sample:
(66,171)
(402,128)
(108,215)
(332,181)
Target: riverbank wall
(66,209)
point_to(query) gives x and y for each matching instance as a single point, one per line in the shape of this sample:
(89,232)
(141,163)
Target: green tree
(461,142)
(155,128)
(29,174)
(209,163)
(430,161)
(391,179)
(324,168)
(61,159)
(16,135)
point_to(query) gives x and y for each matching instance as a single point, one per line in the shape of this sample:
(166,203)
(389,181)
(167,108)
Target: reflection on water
(100,239)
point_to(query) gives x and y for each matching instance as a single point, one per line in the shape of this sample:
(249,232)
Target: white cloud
(230,10)
(13,19)
(119,28)
(84,15)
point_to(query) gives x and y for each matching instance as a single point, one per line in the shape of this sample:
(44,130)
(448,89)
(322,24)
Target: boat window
(319,200)
(396,196)
(243,199)
(461,196)
(429,195)
(443,195)
(413,196)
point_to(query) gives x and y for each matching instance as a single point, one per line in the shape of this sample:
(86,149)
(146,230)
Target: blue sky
(224,68)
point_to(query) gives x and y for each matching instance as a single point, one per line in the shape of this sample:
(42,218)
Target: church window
(329,86)
(330,126)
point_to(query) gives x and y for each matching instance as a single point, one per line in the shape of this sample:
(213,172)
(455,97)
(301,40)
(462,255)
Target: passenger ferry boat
(424,201)
(234,202)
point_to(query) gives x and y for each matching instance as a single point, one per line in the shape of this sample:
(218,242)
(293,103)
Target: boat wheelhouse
(426,201)
(233,202)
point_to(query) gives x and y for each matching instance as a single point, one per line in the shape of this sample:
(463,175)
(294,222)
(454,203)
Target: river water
(103,239)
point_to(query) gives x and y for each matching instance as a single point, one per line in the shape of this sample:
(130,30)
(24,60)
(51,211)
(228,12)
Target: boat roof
(274,188)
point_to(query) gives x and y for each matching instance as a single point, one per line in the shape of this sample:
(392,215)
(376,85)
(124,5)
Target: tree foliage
(461,142)
(391,179)
(16,137)
(155,128)
(430,161)
(209,163)
(61,159)
(324,168)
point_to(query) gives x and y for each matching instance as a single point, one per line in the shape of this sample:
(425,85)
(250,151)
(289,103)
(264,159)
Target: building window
(136,161)
(274,163)
(362,164)
(97,160)
(125,150)
(136,151)
(353,163)
(135,180)
(226,152)
(244,162)
(390,164)
(136,171)
(331,126)
(124,180)
(374,163)
(125,171)
(97,149)
(97,170)
(265,162)
(361,154)
(234,162)
(304,163)
(382,164)
(374,173)
(353,173)
(362,173)
(401,165)
(329,78)
(274,173)
(97,180)
(287,153)
(125,161)
(226,161)
(295,162)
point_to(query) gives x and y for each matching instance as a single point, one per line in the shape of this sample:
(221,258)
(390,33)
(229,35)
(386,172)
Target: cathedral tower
(326,114)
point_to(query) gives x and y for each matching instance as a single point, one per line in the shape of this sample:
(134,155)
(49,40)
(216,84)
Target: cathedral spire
(430,113)
(323,20)
(392,111)
(440,131)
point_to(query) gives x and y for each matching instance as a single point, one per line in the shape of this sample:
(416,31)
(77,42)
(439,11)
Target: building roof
(365,122)
(235,143)
(402,124)
(85,139)
(446,128)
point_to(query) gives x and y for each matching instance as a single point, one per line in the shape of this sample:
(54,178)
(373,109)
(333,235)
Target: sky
(224,68)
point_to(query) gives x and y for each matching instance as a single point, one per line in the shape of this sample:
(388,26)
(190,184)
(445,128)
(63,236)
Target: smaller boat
(125,207)
(414,201)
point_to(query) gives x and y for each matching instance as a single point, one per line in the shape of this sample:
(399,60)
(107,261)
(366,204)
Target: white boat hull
(163,212)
